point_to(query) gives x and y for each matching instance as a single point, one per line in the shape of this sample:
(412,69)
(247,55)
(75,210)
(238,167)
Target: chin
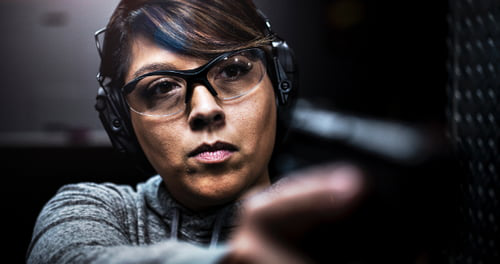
(203,187)
(220,188)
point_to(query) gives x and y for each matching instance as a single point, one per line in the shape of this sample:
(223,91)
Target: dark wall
(379,58)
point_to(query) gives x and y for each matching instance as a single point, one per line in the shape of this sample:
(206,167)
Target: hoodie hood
(204,228)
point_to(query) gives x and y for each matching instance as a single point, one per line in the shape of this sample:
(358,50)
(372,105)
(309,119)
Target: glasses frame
(193,76)
(97,36)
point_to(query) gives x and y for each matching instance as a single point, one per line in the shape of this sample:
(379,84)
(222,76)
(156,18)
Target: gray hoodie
(109,223)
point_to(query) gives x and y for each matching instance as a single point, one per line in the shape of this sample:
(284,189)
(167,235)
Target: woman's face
(214,151)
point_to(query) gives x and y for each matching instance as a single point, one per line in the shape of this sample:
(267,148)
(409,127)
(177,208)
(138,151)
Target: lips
(212,153)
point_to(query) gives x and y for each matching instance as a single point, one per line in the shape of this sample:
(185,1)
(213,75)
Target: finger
(307,198)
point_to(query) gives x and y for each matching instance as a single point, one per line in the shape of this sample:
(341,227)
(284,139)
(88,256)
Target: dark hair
(201,28)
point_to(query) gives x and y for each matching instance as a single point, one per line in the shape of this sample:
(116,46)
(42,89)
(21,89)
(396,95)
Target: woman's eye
(163,88)
(234,71)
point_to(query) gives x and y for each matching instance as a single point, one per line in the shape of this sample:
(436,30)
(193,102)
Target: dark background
(375,59)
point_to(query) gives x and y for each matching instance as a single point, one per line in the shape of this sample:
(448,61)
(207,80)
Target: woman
(200,87)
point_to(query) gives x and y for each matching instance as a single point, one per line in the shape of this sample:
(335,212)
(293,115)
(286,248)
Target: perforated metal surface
(474,114)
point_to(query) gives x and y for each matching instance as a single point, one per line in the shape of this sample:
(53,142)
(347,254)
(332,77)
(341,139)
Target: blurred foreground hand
(276,225)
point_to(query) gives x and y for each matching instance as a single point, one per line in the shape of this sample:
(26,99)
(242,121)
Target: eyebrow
(164,66)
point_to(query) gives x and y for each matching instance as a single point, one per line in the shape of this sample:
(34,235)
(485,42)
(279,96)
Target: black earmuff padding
(287,82)
(284,62)
(287,59)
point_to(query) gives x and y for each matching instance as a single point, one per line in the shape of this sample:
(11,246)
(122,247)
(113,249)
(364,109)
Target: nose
(205,112)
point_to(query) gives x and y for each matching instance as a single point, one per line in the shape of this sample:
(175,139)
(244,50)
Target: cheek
(257,122)
(160,140)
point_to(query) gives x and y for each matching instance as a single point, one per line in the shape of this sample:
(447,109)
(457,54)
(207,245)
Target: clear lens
(158,95)
(237,75)
(164,93)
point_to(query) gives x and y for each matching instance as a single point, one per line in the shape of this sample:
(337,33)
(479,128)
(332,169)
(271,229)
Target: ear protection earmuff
(284,68)
(284,75)
(115,115)
(115,118)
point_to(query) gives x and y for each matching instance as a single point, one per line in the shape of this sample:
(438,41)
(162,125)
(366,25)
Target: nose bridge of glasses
(195,82)
(202,102)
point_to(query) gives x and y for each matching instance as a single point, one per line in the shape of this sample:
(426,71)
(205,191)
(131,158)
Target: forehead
(147,55)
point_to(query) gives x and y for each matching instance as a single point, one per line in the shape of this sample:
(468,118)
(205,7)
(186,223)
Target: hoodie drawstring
(216,231)
(217,228)
(174,233)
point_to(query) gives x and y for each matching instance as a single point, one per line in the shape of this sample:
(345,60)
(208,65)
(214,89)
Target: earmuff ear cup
(285,69)
(112,120)
(285,75)
(121,135)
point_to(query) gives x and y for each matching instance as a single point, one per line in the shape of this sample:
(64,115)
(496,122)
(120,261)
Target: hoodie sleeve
(87,223)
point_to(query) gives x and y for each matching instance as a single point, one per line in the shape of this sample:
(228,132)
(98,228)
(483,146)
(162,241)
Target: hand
(275,225)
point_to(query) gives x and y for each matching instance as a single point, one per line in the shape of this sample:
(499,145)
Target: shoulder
(103,195)
(106,193)
(85,214)
(85,201)
(93,202)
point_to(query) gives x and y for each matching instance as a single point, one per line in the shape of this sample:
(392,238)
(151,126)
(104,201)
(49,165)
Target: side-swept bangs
(199,28)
